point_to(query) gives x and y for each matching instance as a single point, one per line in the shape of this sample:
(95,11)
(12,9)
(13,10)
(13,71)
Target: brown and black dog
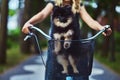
(64,32)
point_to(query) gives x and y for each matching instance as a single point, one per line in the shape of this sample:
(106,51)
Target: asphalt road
(33,69)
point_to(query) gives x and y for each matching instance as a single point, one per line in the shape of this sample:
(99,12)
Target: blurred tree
(105,10)
(110,14)
(3,32)
(31,8)
(0,6)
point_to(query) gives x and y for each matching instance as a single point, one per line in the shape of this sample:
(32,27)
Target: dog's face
(62,16)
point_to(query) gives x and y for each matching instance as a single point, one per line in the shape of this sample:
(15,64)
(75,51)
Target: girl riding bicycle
(79,10)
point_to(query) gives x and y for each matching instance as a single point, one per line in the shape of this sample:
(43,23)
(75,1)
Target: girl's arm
(91,22)
(39,17)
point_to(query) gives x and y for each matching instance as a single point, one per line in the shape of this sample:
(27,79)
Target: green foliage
(99,42)
(14,57)
(9,43)
(14,32)
(12,12)
(113,65)
(43,43)
(117,40)
(13,37)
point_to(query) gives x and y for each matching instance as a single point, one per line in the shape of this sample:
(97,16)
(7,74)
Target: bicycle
(85,43)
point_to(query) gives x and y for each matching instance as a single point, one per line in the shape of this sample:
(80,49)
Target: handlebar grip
(106,27)
(30,29)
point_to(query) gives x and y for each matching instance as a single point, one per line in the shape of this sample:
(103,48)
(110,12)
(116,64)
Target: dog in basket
(63,34)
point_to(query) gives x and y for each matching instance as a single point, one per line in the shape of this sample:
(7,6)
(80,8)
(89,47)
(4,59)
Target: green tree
(3,32)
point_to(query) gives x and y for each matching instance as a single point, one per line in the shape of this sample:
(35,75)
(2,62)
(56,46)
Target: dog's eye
(66,13)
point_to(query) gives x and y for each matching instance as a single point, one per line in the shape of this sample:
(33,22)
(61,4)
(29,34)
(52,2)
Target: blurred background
(14,13)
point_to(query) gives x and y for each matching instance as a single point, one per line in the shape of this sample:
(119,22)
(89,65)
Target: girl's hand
(25,28)
(107,32)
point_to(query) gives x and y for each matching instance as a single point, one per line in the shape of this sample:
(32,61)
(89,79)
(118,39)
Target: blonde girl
(79,10)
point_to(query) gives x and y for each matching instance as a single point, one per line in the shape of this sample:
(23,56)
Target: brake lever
(29,35)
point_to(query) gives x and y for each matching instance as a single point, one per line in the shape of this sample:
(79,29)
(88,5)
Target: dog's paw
(64,72)
(76,71)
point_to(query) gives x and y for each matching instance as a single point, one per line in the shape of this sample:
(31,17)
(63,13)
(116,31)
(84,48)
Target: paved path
(100,72)
(33,69)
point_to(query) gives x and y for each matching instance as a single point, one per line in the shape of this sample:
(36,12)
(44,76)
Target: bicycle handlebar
(49,38)
(97,34)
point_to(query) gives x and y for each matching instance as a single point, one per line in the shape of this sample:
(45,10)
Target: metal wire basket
(84,65)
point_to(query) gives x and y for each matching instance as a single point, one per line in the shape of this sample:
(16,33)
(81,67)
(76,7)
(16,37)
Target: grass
(14,57)
(115,66)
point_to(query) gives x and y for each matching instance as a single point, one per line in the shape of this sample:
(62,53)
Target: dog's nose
(62,19)
(66,45)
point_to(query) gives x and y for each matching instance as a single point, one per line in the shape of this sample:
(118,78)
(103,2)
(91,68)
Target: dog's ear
(55,8)
(58,10)
(68,9)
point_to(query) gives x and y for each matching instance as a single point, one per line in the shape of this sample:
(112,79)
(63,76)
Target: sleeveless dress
(53,68)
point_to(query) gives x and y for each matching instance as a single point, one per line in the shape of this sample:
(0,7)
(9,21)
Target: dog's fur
(64,29)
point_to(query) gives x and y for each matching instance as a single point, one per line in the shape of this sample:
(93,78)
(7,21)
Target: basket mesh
(84,65)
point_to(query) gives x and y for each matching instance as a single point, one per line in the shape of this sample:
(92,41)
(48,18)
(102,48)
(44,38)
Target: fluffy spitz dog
(64,32)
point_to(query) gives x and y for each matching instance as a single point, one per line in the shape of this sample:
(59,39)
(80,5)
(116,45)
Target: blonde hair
(58,2)
(75,5)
